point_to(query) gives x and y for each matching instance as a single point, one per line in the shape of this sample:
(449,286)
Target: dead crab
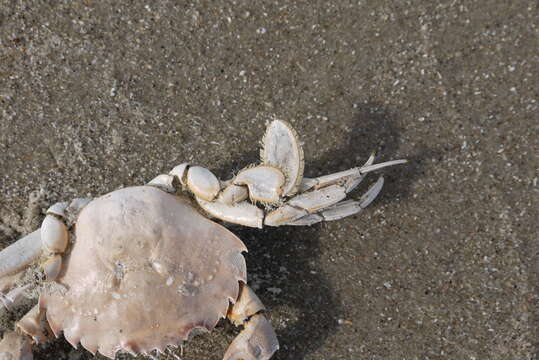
(138,269)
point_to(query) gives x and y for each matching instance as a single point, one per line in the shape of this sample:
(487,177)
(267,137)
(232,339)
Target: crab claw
(282,149)
(256,342)
(15,347)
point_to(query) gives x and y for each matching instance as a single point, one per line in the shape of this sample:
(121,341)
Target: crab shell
(145,269)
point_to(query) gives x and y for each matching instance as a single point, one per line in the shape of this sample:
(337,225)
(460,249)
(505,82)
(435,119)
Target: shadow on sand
(285,258)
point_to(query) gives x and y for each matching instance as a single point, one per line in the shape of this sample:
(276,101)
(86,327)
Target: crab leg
(258,340)
(225,201)
(50,240)
(243,213)
(15,346)
(34,325)
(8,282)
(20,254)
(52,236)
(350,179)
(343,208)
(279,185)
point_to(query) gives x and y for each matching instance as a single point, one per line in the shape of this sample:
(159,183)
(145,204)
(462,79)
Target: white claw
(282,149)
(335,212)
(54,234)
(372,193)
(203,183)
(341,210)
(21,253)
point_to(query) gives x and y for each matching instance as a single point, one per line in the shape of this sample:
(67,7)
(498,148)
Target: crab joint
(54,234)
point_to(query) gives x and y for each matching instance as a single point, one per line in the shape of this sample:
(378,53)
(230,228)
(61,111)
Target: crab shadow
(283,263)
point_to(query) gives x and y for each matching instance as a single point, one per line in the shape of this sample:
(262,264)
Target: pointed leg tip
(372,193)
(372,167)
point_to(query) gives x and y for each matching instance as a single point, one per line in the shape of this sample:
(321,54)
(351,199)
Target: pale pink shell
(145,269)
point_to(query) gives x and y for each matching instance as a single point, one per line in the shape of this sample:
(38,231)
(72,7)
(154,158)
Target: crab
(144,268)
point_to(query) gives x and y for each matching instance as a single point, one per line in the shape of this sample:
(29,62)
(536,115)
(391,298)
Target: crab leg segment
(265,183)
(35,325)
(52,267)
(304,204)
(20,254)
(203,183)
(55,237)
(15,346)
(257,341)
(51,239)
(248,304)
(199,180)
(233,194)
(348,178)
(14,298)
(242,213)
(282,150)
(8,282)
(343,208)
(54,234)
